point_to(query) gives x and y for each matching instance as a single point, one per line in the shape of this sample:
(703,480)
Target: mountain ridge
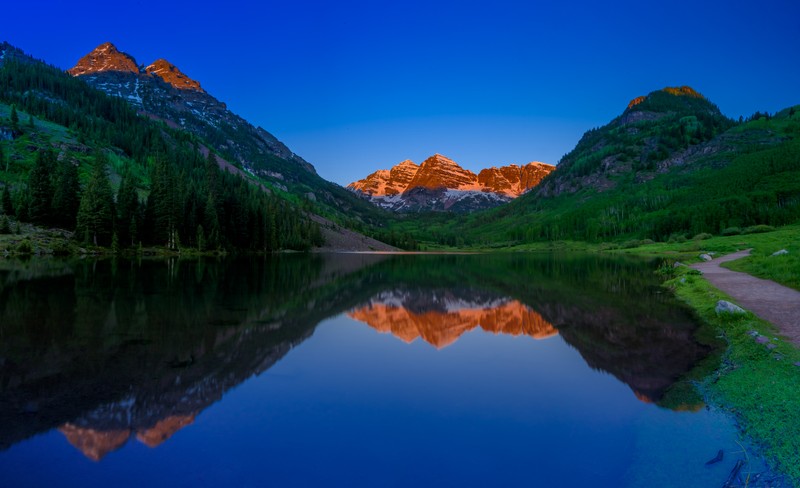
(163,92)
(439,183)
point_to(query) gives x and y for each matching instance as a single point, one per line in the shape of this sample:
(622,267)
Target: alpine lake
(354,370)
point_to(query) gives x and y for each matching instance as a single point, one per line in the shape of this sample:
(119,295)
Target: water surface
(351,370)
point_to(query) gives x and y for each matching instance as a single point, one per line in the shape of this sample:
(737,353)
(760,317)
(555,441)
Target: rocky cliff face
(105,57)
(172,75)
(439,183)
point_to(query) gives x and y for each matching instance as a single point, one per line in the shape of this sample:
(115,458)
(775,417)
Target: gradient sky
(357,86)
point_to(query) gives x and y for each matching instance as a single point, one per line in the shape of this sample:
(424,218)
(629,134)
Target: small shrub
(681,238)
(667,268)
(608,246)
(631,244)
(24,247)
(647,242)
(732,231)
(757,229)
(61,249)
(702,236)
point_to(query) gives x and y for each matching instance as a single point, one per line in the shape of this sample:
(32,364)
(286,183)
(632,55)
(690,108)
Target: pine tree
(211,222)
(95,221)
(5,202)
(14,117)
(30,121)
(66,196)
(127,210)
(162,204)
(40,187)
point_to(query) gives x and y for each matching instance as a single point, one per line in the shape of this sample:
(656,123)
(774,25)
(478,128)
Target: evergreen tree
(211,222)
(21,201)
(66,196)
(162,204)
(5,201)
(40,188)
(14,117)
(95,221)
(127,211)
(30,121)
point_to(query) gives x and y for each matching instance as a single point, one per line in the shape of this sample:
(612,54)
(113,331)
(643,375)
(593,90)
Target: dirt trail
(769,300)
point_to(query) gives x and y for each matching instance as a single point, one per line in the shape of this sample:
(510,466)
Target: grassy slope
(784,269)
(45,135)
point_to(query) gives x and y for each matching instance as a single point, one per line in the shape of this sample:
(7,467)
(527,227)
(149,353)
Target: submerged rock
(728,307)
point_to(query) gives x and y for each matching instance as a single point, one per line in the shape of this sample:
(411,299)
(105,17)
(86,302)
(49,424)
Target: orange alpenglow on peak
(440,329)
(678,91)
(682,91)
(172,75)
(439,171)
(105,57)
(636,101)
(387,182)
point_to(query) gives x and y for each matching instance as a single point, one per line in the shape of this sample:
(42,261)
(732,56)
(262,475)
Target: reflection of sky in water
(351,407)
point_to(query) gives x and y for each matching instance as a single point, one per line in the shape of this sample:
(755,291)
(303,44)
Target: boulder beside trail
(780,253)
(706,257)
(728,307)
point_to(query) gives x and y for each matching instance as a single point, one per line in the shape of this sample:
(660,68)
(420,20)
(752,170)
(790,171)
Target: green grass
(763,243)
(761,387)
(783,269)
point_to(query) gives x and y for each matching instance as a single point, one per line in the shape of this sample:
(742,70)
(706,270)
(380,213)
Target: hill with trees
(75,158)
(671,166)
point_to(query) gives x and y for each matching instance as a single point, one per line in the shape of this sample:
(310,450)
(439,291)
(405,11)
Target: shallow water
(352,370)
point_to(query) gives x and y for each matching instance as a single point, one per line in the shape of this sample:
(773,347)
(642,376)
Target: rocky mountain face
(440,184)
(105,57)
(161,91)
(172,75)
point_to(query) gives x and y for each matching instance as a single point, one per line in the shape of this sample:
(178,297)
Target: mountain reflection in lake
(104,356)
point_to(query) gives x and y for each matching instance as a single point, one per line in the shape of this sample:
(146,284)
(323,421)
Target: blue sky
(357,86)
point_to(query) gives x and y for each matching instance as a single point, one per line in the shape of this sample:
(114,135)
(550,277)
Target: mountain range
(670,166)
(440,184)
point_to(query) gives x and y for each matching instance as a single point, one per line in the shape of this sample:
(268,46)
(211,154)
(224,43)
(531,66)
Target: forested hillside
(670,167)
(75,158)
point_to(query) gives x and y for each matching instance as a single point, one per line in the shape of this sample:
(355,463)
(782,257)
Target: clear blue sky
(357,86)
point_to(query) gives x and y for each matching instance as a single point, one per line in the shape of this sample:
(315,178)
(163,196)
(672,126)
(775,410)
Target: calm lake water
(352,370)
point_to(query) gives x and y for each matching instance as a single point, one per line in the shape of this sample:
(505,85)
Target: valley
(118,163)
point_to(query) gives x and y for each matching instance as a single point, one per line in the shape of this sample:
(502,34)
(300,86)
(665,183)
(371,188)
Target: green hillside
(129,180)
(670,167)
